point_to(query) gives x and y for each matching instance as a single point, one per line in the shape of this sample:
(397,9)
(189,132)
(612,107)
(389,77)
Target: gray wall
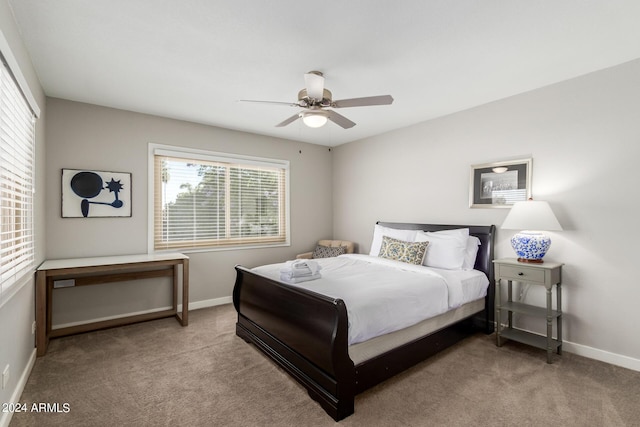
(584,137)
(17,311)
(83,136)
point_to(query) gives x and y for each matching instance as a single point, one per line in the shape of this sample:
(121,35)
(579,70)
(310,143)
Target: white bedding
(384,296)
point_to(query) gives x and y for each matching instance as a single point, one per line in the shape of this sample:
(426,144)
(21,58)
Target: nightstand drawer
(528,274)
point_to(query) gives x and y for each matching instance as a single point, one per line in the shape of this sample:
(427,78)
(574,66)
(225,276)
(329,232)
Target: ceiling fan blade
(288,121)
(291,104)
(339,119)
(363,102)
(314,82)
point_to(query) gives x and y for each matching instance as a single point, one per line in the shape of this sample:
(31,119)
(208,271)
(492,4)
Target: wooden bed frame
(306,333)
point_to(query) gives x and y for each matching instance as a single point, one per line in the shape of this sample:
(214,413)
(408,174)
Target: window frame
(213,156)
(21,274)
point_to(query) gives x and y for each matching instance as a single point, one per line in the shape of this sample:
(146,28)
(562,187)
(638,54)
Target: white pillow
(394,233)
(447,248)
(473,244)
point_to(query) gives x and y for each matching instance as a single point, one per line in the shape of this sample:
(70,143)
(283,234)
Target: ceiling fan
(316,100)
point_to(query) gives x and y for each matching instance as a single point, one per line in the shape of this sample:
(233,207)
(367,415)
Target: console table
(63,273)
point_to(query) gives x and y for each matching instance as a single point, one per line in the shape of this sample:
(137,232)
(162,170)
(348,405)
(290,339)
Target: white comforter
(381,295)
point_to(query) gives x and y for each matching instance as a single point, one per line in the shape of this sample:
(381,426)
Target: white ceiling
(194,59)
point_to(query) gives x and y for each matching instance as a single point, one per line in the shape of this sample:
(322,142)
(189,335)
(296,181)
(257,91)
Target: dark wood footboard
(304,332)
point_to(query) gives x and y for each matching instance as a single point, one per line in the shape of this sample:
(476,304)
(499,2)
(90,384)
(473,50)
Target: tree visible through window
(206,202)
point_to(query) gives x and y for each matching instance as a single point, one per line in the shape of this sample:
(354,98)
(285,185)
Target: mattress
(384,296)
(363,351)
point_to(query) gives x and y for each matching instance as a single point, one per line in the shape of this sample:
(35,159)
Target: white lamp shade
(314,119)
(531,215)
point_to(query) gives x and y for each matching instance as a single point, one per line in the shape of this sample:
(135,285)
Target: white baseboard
(5,417)
(209,303)
(602,355)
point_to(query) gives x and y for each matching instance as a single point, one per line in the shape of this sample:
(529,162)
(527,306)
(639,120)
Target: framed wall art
(90,193)
(500,184)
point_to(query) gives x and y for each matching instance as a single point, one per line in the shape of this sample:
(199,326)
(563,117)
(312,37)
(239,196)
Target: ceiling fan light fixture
(314,119)
(314,98)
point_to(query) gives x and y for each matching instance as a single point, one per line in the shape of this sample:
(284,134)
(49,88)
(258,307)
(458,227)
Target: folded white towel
(300,268)
(293,274)
(298,279)
(298,274)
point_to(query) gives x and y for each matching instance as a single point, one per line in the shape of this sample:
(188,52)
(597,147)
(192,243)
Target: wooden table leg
(42,339)
(498,315)
(549,326)
(185,292)
(176,278)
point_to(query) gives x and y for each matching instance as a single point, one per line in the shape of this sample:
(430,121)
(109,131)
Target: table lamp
(530,245)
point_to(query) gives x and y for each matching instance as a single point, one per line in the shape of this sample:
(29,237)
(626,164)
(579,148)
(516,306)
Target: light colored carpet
(159,374)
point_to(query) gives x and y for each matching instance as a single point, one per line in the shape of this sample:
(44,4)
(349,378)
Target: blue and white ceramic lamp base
(530,246)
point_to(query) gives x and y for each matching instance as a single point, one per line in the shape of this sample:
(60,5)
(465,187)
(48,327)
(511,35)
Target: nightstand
(546,274)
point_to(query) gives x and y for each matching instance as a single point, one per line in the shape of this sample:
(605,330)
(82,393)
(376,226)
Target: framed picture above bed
(500,184)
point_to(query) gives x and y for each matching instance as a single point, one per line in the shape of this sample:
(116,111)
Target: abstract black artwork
(87,193)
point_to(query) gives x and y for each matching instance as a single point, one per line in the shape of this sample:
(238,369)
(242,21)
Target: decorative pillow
(328,251)
(398,250)
(471,253)
(379,231)
(447,248)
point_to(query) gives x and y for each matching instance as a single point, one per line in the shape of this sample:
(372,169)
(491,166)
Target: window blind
(214,201)
(17,146)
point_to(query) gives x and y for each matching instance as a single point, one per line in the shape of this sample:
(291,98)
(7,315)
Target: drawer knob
(521,274)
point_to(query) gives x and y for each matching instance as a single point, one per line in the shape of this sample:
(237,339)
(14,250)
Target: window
(207,200)
(17,145)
